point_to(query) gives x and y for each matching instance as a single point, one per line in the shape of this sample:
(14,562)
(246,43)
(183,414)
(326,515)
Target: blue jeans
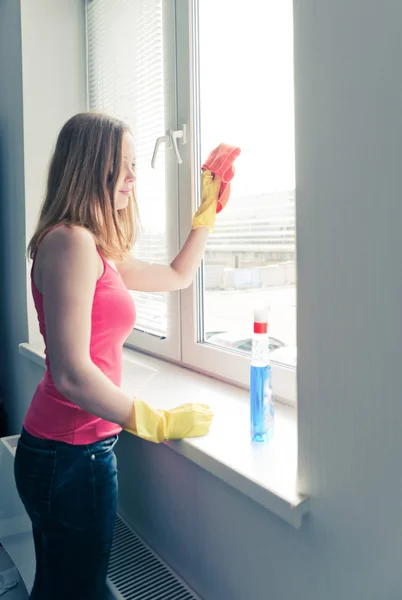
(70,495)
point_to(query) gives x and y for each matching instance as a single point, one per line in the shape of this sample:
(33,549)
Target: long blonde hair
(81,184)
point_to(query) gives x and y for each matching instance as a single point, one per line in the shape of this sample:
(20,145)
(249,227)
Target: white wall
(54,81)
(349,216)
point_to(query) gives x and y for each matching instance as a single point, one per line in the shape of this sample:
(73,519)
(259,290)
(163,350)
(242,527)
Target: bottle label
(260,351)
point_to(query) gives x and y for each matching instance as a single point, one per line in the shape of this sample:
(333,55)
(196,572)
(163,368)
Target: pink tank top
(53,416)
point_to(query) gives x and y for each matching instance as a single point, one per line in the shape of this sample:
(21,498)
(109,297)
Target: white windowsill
(267,473)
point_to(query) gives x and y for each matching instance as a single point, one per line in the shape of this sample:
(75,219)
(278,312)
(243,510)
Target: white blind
(127,79)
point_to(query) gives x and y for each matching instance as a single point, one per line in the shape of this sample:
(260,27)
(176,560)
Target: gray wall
(42,84)
(349,181)
(13,322)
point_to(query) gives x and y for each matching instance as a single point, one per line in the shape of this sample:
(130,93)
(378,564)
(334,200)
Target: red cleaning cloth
(220,163)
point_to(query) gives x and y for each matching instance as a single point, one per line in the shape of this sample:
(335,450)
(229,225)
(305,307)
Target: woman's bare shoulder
(66,246)
(69,238)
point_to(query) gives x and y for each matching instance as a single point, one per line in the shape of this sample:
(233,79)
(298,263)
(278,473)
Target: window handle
(180,134)
(171,138)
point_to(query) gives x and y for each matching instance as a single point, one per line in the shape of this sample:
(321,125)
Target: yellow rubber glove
(187,420)
(206,214)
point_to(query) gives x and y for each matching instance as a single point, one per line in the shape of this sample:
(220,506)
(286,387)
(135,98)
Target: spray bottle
(261,396)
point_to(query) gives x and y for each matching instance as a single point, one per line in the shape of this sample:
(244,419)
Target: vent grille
(137,573)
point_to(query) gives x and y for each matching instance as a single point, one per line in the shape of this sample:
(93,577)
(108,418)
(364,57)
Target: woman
(65,467)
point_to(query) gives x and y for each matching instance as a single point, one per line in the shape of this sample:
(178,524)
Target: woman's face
(126,179)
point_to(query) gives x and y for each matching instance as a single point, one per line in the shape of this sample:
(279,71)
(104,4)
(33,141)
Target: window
(224,79)
(236,86)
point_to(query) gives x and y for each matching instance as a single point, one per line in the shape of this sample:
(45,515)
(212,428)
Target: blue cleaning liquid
(261,403)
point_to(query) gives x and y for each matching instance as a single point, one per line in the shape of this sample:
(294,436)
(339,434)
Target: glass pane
(246,99)
(127,78)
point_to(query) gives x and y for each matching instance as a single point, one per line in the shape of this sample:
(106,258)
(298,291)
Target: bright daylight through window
(246,99)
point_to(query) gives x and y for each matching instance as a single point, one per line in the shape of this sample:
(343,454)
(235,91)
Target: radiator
(137,573)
